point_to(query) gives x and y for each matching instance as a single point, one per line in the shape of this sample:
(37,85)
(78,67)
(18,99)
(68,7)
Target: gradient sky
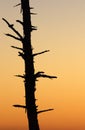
(61,29)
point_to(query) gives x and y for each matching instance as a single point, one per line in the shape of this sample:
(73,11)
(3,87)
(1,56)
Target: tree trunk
(29,68)
(28,57)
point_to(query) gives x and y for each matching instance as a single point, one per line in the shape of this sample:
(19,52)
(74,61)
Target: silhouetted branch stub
(17,48)
(41,52)
(20,106)
(21,76)
(9,35)
(44,111)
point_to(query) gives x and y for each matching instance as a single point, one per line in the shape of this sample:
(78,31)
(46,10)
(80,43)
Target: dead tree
(26,52)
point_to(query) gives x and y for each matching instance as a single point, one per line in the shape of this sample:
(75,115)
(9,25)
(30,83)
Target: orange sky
(61,28)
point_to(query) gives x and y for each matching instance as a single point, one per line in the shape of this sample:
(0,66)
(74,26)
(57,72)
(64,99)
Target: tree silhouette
(26,52)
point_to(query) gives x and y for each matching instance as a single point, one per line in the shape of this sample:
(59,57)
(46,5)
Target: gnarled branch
(12,28)
(41,74)
(21,54)
(41,52)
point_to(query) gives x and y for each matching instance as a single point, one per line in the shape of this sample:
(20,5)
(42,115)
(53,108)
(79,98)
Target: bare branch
(11,26)
(47,76)
(17,5)
(44,110)
(41,74)
(19,22)
(21,54)
(20,106)
(41,52)
(9,35)
(33,13)
(31,8)
(21,76)
(33,28)
(17,48)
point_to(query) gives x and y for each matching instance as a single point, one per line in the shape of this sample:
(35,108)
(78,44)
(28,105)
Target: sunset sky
(61,29)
